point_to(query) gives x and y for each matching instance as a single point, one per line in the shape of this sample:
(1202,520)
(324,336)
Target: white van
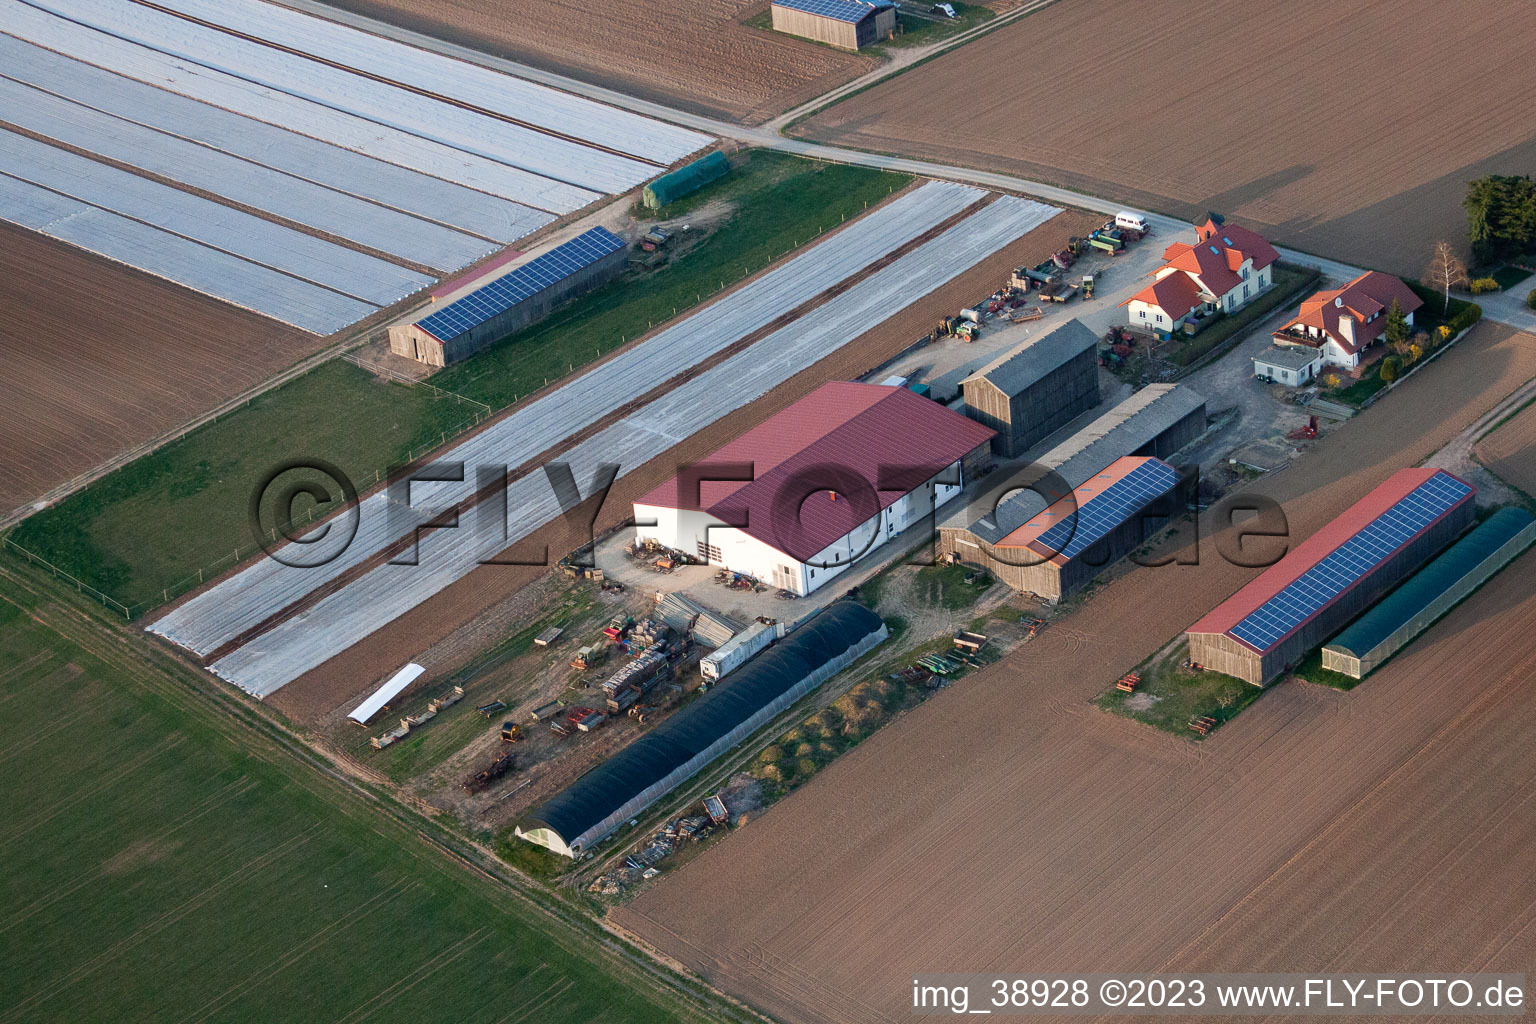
(1131,221)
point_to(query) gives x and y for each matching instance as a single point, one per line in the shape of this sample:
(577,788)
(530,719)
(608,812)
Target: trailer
(549,636)
(545,712)
(734,652)
(970,641)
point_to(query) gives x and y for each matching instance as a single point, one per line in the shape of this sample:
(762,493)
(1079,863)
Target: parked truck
(734,652)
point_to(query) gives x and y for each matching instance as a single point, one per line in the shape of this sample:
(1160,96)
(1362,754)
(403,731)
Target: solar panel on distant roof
(532,277)
(838,10)
(1271,621)
(1104,512)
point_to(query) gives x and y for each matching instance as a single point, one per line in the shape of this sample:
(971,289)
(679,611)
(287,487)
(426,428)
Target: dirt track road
(1007,825)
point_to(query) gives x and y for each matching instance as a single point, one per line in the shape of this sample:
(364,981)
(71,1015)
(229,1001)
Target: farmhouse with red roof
(1222,270)
(1340,323)
(798,499)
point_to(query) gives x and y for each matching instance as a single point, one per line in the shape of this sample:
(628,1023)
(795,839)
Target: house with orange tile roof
(1221,271)
(1339,324)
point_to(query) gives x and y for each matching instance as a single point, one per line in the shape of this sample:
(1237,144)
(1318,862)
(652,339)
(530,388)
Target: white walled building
(818,486)
(1225,268)
(1339,324)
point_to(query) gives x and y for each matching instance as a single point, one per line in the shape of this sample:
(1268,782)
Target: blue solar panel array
(1108,509)
(1269,622)
(838,10)
(531,278)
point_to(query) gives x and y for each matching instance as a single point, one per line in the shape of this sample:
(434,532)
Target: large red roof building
(796,500)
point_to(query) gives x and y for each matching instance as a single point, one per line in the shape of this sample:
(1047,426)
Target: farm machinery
(1306,433)
(1116,347)
(481,780)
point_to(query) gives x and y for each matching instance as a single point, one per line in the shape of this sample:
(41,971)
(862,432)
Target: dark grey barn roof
(676,741)
(1124,430)
(1013,372)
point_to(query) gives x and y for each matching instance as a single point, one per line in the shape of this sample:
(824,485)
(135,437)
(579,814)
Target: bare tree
(1446,271)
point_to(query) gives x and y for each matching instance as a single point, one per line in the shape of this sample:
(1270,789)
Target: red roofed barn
(1301,601)
(1342,322)
(799,498)
(1225,267)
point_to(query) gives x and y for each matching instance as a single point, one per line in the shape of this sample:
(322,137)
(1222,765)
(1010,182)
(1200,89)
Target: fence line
(413,382)
(82,588)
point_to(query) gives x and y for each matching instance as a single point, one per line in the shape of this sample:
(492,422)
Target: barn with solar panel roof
(1089,501)
(1334,575)
(849,24)
(524,295)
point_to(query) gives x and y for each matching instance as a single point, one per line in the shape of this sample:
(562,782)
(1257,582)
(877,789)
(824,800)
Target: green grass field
(167,861)
(779,202)
(945,586)
(1170,695)
(923,31)
(142,534)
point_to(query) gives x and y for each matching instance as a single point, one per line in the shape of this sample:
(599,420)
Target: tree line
(1501,216)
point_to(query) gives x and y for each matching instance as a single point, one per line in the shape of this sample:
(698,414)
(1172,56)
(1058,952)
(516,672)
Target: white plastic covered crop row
(202,220)
(535,151)
(316,120)
(468,83)
(400,188)
(174,258)
(248,184)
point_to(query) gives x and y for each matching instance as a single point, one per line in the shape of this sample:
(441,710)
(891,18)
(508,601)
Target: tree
(1501,215)
(1397,324)
(1530,299)
(1388,369)
(1446,270)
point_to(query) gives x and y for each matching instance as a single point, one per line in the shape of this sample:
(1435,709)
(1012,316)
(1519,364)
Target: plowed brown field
(1008,826)
(100,358)
(1347,129)
(1510,451)
(319,692)
(692,54)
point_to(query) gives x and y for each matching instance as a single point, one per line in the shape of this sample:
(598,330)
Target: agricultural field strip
(381,595)
(252,185)
(284,111)
(539,153)
(217,616)
(195,266)
(202,220)
(342,170)
(477,86)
